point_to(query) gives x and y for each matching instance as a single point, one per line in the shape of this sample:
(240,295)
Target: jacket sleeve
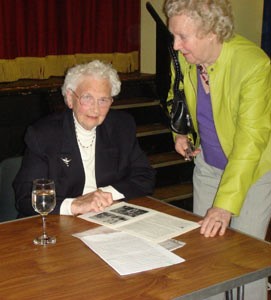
(123,164)
(251,136)
(33,166)
(140,178)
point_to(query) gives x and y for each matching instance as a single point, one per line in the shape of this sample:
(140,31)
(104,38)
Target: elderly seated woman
(90,151)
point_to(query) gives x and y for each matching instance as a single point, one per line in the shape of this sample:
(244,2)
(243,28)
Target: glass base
(44,240)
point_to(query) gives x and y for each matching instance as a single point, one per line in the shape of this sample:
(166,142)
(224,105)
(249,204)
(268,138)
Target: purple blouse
(212,150)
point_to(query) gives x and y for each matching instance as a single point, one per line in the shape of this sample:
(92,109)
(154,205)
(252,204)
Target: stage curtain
(44,37)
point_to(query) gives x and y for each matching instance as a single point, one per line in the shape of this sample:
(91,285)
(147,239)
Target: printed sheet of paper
(170,244)
(128,254)
(141,222)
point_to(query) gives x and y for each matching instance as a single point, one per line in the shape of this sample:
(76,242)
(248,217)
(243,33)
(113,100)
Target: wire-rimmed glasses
(88,100)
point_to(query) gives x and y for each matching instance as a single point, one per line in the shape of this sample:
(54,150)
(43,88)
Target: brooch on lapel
(66,160)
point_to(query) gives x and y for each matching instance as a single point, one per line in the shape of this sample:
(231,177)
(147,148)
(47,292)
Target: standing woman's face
(90,101)
(196,48)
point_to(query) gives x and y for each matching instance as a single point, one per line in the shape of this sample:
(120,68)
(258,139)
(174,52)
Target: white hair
(96,69)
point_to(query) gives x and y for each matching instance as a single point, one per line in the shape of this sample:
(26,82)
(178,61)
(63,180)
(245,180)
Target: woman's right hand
(95,201)
(184,146)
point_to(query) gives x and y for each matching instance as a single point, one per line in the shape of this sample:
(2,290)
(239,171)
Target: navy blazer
(52,152)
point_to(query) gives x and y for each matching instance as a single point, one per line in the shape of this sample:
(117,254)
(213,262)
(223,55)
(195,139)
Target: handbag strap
(177,68)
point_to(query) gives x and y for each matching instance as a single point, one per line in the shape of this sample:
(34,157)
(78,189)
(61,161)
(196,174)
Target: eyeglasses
(88,100)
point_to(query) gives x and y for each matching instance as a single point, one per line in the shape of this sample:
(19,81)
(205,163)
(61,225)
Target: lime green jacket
(240,89)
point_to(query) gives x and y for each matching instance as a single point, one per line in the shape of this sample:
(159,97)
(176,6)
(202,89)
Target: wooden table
(70,270)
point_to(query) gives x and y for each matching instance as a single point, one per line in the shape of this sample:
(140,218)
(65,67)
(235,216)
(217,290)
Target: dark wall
(18,110)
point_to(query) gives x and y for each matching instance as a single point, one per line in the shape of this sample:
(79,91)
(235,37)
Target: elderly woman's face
(196,48)
(90,101)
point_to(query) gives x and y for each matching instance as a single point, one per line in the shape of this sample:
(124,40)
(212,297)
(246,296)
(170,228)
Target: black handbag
(180,120)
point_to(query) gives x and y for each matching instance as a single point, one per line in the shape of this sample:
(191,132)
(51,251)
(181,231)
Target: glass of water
(43,202)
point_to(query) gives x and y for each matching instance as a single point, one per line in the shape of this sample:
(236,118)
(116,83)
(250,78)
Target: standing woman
(227,83)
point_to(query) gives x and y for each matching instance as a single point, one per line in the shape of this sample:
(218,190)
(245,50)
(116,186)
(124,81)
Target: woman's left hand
(215,222)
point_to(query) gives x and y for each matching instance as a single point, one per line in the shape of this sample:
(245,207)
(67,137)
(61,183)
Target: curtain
(266,31)
(51,27)
(41,38)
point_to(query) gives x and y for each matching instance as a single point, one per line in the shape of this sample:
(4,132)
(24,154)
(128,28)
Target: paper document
(128,254)
(170,244)
(140,221)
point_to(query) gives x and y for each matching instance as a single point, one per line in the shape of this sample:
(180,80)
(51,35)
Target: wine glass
(43,202)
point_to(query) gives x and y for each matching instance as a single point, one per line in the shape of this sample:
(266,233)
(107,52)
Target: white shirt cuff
(65,208)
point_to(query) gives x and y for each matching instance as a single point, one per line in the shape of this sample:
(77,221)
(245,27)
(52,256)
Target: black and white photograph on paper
(109,218)
(127,210)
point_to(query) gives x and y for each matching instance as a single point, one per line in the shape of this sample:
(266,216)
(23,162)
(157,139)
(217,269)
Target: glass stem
(44,226)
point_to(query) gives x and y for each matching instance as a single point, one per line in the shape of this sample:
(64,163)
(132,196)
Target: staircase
(174,174)
(25,101)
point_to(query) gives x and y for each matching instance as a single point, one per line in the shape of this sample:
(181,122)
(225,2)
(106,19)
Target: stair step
(137,76)
(174,192)
(134,103)
(55,82)
(151,129)
(166,159)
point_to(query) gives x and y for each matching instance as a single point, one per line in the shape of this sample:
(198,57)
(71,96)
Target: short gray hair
(214,15)
(96,69)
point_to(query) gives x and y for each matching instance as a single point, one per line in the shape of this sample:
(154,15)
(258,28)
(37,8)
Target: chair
(8,170)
